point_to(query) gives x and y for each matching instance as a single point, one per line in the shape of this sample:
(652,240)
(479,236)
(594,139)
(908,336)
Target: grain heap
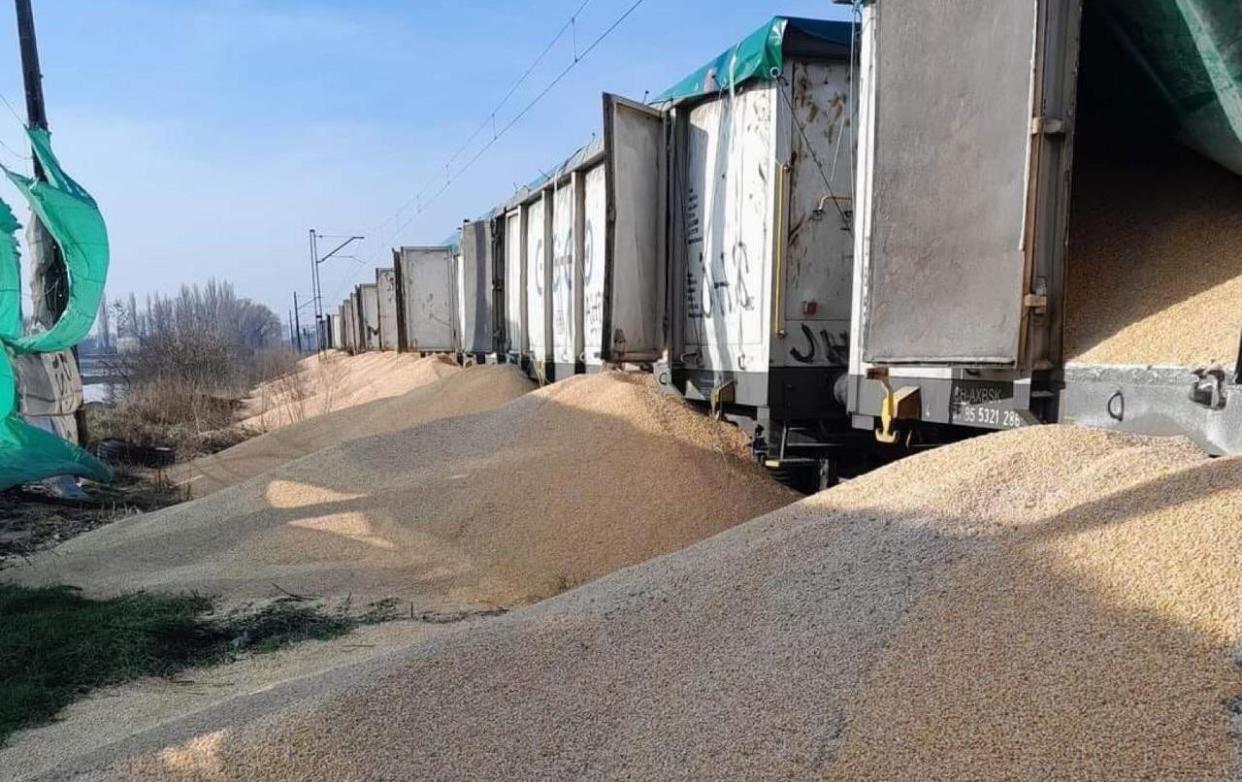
(1049,603)
(335,381)
(503,507)
(456,393)
(1155,259)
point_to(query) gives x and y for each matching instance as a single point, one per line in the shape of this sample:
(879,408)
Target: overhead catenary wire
(490,119)
(500,133)
(422,207)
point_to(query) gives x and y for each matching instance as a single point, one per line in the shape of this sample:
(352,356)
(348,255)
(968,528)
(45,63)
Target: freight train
(856,238)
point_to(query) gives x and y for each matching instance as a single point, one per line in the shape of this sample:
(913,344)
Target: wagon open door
(633,284)
(969,181)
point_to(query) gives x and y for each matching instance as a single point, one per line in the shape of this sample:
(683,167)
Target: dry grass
(183,414)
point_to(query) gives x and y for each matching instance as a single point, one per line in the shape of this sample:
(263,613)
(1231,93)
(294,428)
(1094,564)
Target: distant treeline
(183,362)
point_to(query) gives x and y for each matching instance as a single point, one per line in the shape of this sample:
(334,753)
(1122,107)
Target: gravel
(455,392)
(1049,603)
(1155,260)
(498,508)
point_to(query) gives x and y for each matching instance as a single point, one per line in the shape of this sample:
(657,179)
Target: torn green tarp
(10,279)
(1191,51)
(28,453)
(761,55)
(73,219)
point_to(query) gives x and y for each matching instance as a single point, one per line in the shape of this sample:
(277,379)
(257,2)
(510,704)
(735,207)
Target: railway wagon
(337,324)
(426,299)
(354,314)
(984,296)
(386,292)
(529,258)
(368,316)
(760,260)
(514,343)
(480,290)
(346,337)
(584,252)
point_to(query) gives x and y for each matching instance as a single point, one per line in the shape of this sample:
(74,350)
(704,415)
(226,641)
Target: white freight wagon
(536,238)
(337,327)
(354,328)
(761,253)
(386,287)
(591,251)
(347,326)
(368,306)
(427,307)
(566,283)
(513,341)
(985,296)
(479,280)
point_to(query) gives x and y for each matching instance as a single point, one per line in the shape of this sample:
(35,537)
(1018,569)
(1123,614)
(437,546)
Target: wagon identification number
(984,405)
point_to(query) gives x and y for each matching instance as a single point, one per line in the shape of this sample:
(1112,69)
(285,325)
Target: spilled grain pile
(336,381)
(457,393)
(1155,258)
(1050,603)
(503,507)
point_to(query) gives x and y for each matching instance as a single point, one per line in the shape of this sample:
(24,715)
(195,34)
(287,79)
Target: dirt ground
(31,520)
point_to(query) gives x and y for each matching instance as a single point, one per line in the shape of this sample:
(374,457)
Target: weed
(57,645)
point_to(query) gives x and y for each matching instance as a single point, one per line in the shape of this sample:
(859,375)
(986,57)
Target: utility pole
(316,291)
(292,336)
(314,250)
(297,325)
(49,278)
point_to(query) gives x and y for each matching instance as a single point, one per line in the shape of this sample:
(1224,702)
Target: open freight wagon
(336,327)
(368,317)
(480,290)
(582,272)
(760,160)
(386,300)
(354,314)
(426,300)
(985,296)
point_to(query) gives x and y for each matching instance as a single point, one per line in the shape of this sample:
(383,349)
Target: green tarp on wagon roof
(761,55)
(1191,53)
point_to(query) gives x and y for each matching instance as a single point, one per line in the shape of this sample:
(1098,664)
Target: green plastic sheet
(761,55)
(28,453)
(1191,51)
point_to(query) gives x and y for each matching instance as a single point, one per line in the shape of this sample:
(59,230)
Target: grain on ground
(335,381)
(909,625)
(456,393)
(554,489)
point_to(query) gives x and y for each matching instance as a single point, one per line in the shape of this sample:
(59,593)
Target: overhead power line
(499,133)
(490,119)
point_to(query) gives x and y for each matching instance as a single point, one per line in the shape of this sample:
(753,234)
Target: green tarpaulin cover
(1191,51)
(72,218)
(761,55)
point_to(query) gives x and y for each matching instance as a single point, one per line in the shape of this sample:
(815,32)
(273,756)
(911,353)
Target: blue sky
(214,133)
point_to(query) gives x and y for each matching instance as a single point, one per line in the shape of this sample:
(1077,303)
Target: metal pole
(314,249)
(297,324)
(49,277)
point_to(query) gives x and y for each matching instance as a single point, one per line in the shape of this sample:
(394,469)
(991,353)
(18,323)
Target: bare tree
(105,323)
